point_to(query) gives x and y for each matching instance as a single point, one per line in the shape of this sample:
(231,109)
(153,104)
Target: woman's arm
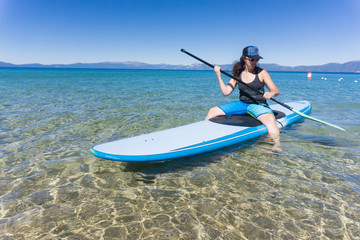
(225,89)
(273,90)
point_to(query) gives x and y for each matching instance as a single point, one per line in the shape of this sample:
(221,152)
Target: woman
(251,102)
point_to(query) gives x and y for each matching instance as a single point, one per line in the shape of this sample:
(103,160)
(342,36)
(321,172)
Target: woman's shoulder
(262,72)
(259,70)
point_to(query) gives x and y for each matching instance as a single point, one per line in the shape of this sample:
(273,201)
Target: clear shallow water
(51,187)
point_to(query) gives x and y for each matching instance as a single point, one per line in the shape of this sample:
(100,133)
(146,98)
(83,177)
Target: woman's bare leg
(214,112)
(270,123)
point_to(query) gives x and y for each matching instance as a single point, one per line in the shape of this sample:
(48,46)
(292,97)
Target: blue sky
(287,32)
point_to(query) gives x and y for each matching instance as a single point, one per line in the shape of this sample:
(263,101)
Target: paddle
(275,100)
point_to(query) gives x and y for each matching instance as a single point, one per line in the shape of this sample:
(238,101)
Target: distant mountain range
(353,66)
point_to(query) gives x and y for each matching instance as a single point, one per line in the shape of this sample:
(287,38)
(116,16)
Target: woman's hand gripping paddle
(275,100)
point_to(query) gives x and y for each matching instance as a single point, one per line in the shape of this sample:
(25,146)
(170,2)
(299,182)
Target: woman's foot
(276,148)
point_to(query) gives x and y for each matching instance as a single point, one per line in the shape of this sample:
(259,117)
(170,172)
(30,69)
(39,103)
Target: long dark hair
(238,67)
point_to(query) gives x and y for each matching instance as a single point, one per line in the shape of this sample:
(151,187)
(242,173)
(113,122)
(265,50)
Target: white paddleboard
(195,138)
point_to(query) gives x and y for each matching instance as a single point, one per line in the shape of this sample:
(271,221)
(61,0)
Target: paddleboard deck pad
(196,138)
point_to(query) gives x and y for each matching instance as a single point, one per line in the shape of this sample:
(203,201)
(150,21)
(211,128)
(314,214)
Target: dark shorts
(238,107)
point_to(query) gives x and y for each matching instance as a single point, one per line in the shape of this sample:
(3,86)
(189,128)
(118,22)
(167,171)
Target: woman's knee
(214,112)
(269,121)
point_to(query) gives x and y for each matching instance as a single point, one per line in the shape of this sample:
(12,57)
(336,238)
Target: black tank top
(249,96)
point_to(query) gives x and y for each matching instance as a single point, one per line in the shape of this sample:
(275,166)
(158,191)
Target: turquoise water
(51,187)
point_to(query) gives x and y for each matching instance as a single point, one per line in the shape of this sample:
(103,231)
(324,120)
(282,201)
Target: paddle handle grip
(199,59)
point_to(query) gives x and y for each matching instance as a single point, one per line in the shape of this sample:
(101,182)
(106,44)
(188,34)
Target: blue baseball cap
(251,52)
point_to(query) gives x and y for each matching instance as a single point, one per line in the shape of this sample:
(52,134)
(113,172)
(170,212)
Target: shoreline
(154,69)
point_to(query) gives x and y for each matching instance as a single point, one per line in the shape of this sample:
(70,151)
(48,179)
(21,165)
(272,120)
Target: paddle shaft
(275,100)
(238,80)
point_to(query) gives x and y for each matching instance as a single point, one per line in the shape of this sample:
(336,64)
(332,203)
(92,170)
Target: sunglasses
(253,60)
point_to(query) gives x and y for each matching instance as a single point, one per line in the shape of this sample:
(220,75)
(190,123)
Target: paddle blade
(317,120)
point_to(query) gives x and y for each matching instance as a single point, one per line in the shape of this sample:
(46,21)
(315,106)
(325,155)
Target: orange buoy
(309,75)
